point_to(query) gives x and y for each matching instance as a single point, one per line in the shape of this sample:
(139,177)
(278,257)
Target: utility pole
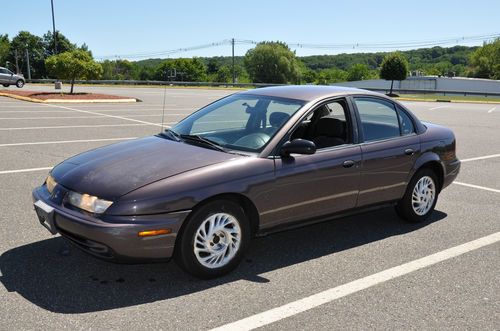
(28,62)
(17,63)
(54,27)
(234,72)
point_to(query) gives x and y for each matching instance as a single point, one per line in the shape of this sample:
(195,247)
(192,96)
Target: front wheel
(214,240)
(5,85)
(420,198)
(20,83)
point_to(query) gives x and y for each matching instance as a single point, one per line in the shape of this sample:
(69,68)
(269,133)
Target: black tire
(5,85)
(184,253)
(405,208)
(20,83)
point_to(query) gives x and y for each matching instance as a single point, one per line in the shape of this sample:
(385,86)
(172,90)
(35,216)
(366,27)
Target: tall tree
(63,43)
(77,64)
(4,49)
(485,61)
(26,41)
(272,62)
(394,67)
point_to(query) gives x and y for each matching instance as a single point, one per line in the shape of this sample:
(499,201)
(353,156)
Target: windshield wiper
(169,134)
(199,139)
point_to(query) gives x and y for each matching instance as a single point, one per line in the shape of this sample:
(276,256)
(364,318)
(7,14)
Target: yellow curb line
(20,97)
(157,86)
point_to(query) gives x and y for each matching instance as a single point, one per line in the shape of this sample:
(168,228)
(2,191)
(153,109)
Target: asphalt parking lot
(43,284)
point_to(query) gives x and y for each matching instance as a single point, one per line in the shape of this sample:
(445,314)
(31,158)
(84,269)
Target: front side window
(326,125)
(240,122)
(379,119)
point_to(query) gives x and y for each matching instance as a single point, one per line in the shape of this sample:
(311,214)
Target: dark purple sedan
(247,164)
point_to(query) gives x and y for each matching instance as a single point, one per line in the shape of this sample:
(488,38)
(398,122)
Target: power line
(323,46)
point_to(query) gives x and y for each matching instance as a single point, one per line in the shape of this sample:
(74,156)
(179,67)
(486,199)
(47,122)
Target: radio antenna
(163,108)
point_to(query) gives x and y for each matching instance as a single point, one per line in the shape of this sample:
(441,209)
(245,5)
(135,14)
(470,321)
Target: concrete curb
(20,97)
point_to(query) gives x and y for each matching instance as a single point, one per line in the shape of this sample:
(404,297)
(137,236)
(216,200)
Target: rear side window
(405,122)
(379,119)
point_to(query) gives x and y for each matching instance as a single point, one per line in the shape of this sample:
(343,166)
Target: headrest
(277,119)
(329,126)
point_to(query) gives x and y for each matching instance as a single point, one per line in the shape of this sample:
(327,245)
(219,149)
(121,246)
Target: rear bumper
(117,239)
(451,172)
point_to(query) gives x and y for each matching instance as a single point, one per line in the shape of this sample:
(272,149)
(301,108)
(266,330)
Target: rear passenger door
(389,147)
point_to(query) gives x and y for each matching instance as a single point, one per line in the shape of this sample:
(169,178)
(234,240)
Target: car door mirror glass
(298,146)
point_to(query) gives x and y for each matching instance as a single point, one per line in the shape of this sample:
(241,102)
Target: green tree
(4,49)
(186,70)
(485,61)
(394,67)
(272,62)
(63,43)
(358,71)
(332,75)
(26,41)
(77,64)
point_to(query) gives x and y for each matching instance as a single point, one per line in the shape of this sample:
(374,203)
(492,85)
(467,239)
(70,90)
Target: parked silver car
(7,78)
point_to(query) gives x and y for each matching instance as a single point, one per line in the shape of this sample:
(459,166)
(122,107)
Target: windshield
(239,122)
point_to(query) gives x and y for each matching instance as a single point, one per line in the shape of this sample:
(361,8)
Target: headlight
(51,183)
(88,202)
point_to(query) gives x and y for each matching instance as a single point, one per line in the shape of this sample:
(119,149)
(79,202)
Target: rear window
(379,119)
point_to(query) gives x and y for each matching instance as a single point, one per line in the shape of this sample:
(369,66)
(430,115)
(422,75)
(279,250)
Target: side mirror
(298,146)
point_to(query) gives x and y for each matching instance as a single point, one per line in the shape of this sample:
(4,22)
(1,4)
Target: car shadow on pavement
(62,281)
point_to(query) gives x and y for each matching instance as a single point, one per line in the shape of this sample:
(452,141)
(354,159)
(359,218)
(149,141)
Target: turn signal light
(151,233)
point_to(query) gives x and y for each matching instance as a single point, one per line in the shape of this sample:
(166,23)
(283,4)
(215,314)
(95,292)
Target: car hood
(112,171)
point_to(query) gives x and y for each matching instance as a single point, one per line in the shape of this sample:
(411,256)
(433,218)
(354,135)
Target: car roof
(307,92)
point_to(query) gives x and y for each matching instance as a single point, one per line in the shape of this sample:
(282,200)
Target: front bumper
(116,237)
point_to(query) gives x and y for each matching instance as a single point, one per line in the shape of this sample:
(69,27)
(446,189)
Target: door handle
(348,163)
(409,151)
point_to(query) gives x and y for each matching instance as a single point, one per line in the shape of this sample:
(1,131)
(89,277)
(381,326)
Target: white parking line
(105,115)
(477,186)
(480,158)
(76,126)
(3,172)
(315,300)
(491,110)
(66,117)
(439,107)
(65,142)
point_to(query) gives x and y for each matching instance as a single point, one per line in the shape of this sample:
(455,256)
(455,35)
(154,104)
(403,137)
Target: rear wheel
(420,198)
(214,240)
(20,83)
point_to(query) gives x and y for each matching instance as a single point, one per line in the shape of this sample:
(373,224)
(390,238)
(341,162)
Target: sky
(149,28)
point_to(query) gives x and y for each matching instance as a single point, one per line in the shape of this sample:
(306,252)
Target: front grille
(90,246)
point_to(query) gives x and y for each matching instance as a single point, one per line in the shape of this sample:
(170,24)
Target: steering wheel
(253,140)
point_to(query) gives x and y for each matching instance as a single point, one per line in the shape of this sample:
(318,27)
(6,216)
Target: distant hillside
(419,59)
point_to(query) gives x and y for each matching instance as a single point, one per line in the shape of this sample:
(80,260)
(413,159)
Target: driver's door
(308,186)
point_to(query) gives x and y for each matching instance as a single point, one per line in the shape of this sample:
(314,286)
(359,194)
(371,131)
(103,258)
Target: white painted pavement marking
(477,186)
(480,158)
(315,300)
(491,110)
(93,116)
(76,126)
(439,107)
(65,142)
(3,172)
(105,115)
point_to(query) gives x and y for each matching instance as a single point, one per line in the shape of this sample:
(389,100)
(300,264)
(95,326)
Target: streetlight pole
(28,62)
(54,27)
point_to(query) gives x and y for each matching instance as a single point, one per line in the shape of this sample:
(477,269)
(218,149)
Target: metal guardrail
(154,82)
(253,85)
(439,92)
